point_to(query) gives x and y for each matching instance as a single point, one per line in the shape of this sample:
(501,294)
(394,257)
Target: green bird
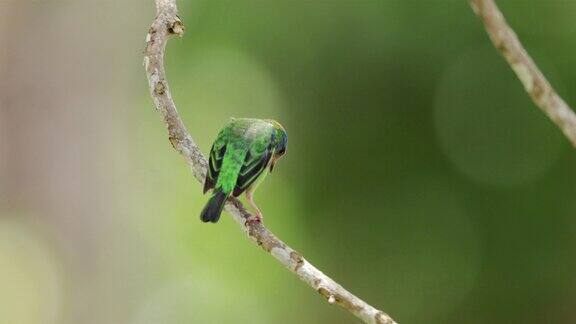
(241,156)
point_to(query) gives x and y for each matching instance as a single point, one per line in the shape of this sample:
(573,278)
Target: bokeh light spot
(218,82)
(29,277)
(487,125)
(199,299)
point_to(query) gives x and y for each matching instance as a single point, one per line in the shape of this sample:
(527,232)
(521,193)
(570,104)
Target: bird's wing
(215,162)
(255,163)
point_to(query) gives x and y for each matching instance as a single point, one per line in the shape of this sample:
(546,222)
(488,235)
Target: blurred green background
(419,174)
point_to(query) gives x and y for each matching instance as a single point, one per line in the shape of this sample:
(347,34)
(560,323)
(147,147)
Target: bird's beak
(272,163)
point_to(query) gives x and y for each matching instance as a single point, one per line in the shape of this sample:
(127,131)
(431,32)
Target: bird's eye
(282,151)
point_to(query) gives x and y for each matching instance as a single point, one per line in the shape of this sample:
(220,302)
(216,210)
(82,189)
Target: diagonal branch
(166,24)
(539,89)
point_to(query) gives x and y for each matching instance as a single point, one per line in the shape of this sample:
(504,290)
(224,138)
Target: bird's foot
(256,218)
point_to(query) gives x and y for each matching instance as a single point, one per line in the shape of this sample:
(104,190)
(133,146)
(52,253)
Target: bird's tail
(213,209)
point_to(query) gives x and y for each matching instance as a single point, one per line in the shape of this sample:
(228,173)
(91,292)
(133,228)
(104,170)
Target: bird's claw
(253,219)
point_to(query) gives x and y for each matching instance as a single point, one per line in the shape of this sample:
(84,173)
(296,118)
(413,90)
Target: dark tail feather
(213,209)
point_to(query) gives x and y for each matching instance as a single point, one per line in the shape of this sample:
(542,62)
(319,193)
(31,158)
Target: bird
(244,152)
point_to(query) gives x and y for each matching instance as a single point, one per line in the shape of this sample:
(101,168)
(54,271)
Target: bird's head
(280,143)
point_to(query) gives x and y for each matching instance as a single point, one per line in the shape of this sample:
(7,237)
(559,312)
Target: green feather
(242,153)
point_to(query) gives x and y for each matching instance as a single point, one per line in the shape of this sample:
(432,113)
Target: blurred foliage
(419,174)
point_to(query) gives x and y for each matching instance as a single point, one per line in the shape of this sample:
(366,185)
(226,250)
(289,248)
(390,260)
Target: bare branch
(166,24)
(539,89)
